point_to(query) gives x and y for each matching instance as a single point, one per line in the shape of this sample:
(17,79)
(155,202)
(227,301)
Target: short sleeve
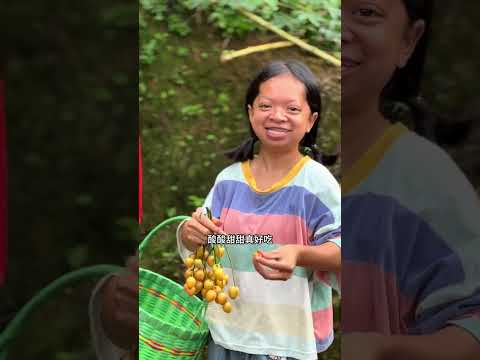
(447,286)
(327,221)
(104,348)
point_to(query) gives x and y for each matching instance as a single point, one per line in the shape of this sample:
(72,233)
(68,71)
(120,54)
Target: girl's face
(280,115)
(377,37)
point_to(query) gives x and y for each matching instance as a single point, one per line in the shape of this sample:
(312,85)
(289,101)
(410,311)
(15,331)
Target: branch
(228,55)
(299,42)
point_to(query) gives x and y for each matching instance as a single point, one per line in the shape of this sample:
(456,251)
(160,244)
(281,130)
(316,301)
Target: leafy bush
(315,20)
(318,21)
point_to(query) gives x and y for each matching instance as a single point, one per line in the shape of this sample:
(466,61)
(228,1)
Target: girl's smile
(349,65)
(276,133)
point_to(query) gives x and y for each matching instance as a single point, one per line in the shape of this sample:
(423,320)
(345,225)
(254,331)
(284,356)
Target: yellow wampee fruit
(210,295)
(219,251)
(208,284)
(221,298)
(188,273)
(199,285)
(189,262)
(190,291)
(205,275)
(199,275)
(210,260)
(198,263)
(191,282)
(218,274)
(233,292)
(210,274)
(227,307)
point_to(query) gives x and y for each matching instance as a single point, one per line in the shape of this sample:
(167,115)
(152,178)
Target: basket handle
(164,223)
(43,295)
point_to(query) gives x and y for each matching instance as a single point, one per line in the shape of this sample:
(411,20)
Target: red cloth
(3,187)
(140,183)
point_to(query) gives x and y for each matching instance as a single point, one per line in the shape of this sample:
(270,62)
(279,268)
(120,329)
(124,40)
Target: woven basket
(172,323)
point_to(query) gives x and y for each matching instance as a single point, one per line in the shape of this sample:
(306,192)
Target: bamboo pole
(228,55)
(299,42)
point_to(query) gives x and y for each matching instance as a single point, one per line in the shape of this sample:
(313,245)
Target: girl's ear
(412,36)
(313,118)
(250,112)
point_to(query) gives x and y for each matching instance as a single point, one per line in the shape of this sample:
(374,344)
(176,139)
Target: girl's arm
(449,343)
(280,263)
(325,257)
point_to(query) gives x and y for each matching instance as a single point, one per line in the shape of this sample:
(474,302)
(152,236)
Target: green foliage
(315,20)
(155,7)
(190,111)
(178,26)
(195,201)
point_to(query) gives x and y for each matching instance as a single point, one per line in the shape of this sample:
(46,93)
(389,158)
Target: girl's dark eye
(264,106)
(293,109)
(366,12)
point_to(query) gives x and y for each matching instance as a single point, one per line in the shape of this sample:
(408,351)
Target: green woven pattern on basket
(172,324)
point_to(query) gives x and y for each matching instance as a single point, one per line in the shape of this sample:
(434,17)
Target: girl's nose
(279,114)
(347,33)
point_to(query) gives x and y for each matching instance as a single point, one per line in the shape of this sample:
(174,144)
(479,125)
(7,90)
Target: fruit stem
(231,264)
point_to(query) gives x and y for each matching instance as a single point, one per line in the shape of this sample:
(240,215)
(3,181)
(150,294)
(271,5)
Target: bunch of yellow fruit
(205,276)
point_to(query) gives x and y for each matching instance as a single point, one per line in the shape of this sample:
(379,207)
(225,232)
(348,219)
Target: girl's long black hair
(405,85)
(301,72)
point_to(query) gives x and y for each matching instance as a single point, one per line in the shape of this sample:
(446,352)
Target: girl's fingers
(200,229)
(270,254)
(274,264)
(268,274)
(260,269)
(205,221)
(196,239)
(217,222)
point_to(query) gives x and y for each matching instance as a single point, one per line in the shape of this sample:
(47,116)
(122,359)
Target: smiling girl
(410,261)
(285,194)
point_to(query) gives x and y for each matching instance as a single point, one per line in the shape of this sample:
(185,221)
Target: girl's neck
(360,130)
(276,162)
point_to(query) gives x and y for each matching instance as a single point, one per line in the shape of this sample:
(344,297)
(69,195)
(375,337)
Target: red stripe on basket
(173,302)
(156,346)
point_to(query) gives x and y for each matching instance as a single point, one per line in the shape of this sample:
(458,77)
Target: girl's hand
(195,231)
(281,262)
(120,306)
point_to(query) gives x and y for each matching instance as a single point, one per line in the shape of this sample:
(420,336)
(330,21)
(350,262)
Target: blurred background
(451,83)
(71,85)
(191,103)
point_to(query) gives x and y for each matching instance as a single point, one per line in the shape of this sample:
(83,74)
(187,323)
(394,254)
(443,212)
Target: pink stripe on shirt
(285,229)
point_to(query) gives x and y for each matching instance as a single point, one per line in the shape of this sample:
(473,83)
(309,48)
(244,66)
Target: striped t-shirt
(292,318)
(410,264)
